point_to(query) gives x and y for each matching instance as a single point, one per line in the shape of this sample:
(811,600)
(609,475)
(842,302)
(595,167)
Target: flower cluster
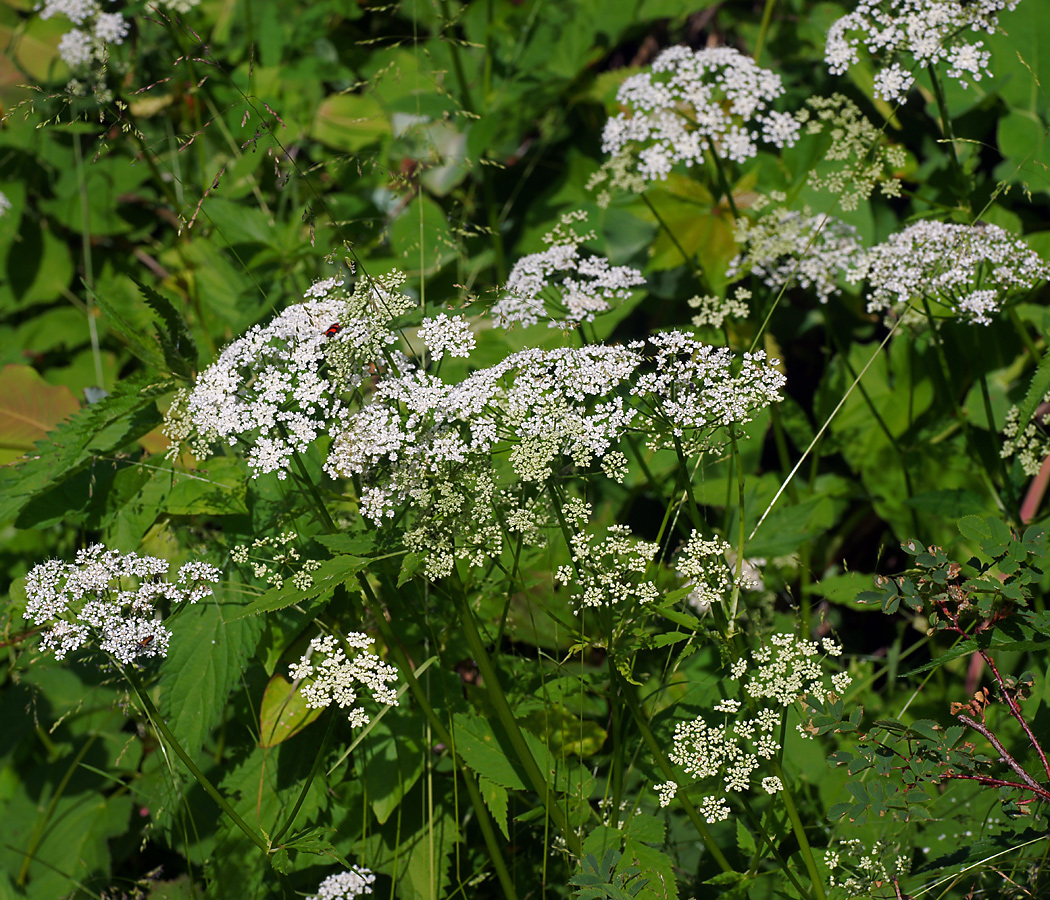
(691,389)
(280,555)
(609,573)
(111,600)
(5,204)
(964,271)
(785,248)
(929,31)
(858,159)
(278,388)
(93,31)
(713,311)
(435,444)
(443,334)
(692,99)
(856,870)
(703,564)
(562,285)
(356,882)
(336,678)
(786,670)
(1031,445)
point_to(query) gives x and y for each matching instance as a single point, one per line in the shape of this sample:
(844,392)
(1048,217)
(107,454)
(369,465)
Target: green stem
(949,134)
(162,727)
(1026,338)
(314,769)
(767,838)
(687,483)
(735,598)
(945,373)
(443,735)
(800,832)
(690,261)
(763,29)
(723,181)
(668,773)
(321,509)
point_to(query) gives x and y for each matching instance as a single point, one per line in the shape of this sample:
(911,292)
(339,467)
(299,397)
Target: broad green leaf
(350,122)
(203,667)
(394,758)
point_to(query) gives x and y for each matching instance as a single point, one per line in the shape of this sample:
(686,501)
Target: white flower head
(111,601)
(356,882)
(280,386)
(924,32)
(963,271)
(443,334)
(787,248)
(692,100)
(562,284)
(330,676)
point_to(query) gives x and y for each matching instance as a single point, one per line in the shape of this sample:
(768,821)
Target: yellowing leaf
(29,409)
(283,712)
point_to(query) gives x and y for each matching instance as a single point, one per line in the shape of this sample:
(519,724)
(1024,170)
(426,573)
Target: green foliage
(222,159)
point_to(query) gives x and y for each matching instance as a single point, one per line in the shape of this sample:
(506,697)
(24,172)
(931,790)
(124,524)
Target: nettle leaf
(203,667)
(496,799)
(175,340)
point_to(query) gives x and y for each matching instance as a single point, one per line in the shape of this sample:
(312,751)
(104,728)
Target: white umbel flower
(111,601)
(692,99)
(968,270)
(927,32)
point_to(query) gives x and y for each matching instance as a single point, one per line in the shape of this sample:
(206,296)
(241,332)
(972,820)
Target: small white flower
(443,334)
(666,792)
(772,784)
(357,882)
(333,677)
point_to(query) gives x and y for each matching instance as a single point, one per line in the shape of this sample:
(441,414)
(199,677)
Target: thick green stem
(800,832)
(157,720)
(763,29)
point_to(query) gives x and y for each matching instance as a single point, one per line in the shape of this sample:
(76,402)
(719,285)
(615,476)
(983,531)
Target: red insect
(146,641)
(333,330)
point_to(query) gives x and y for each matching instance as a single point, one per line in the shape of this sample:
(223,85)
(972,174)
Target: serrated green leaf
(205,664)
(176,342)
(1038,385)
(495,797)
